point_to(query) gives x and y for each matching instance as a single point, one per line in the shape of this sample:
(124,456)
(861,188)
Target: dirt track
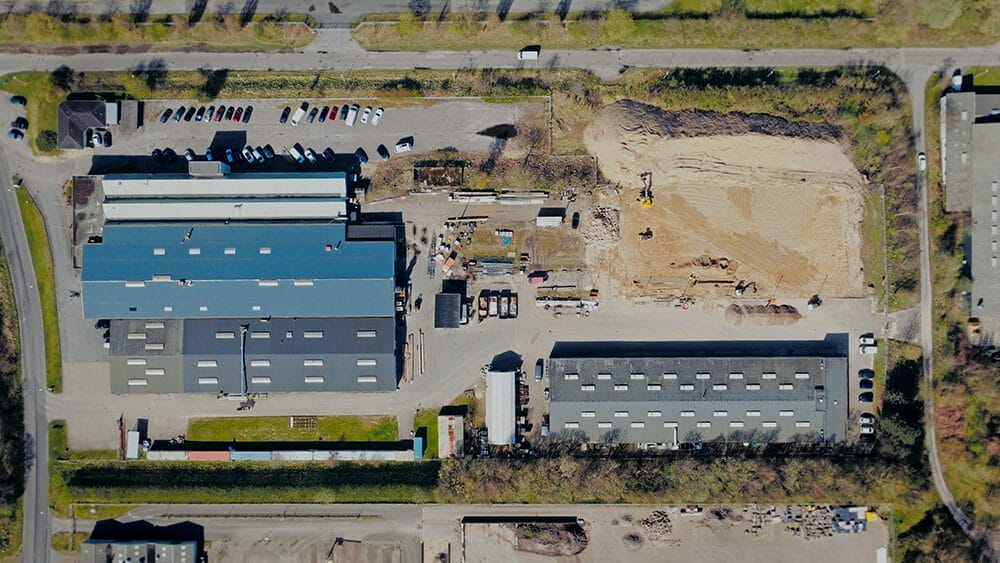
(780,211)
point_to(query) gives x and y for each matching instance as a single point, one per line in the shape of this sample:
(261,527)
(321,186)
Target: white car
(352,115)
(366,114)
(248,155)
(378,116)
(867,340)
(868,349)
(922,162)
(403,146)
(867,429)
(311,156)
(867,419)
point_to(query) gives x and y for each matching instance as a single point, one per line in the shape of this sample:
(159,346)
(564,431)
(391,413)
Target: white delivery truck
(299,113)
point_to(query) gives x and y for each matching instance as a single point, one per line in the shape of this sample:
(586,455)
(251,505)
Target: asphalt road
(35,543)
(914,65)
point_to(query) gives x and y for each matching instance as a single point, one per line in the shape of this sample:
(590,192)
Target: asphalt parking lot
(433,125)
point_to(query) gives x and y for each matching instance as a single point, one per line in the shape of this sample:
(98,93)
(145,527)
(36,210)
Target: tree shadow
(138,11)
(215,81)
(197,11)
(248,11)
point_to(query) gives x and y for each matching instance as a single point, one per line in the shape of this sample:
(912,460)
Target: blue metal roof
(236,270)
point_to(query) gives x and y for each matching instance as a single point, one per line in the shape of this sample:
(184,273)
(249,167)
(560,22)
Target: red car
(238,114)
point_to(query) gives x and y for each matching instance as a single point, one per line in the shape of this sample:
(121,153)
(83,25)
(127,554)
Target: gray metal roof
(986,221)
(104,551)
(236,271)
(446,310)
(735,395)
(957,117)
(75,117)
(282,355)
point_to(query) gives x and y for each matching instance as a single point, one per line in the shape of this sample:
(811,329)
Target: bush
(46,141)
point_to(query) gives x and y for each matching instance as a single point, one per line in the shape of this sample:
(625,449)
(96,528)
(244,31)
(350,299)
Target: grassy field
(276,429)
(11,416)
(65,542)
(873,244)
(967,401)
(729,25)
(11,528)
(41,259)
(42,101)
(39,30)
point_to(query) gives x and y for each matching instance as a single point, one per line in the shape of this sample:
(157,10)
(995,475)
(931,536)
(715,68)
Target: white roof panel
(264,184)
(500,407)
(223,209)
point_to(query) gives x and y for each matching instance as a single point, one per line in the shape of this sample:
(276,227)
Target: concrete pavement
(35,540)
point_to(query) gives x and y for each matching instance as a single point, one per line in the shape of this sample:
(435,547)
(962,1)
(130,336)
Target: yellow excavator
(646,195)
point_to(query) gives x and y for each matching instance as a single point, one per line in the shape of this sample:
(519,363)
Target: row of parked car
(206,114)
(349,114)
(20,124)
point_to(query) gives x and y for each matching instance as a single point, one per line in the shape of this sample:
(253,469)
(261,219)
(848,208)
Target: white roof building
(243,209)
(501,407)
(257,184)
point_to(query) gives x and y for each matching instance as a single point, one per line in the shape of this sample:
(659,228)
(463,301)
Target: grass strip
(41,260)
(347,428)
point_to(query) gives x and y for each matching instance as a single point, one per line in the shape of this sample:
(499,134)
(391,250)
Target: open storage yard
(778,212)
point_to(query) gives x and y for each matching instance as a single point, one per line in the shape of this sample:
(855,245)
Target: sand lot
(617,536)
(780,211)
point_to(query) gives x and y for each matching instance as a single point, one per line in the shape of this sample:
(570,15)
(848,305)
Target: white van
(294,152)
(352,115)
(299,113)
(529,53)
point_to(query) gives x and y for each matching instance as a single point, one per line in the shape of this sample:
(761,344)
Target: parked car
(362,155)
(179,113)
(378,116)
(247,154)
(190,113)
(208,153)
(229,156)
(545,394)
(575,223)
(200,114)
(268,151)
(922,162)
(866,384)
(209,114)
(868,349)
(310,156)
(323,113)
(294,153)
(19,123)
(404,145)
(247,113)
(284,115)
(867,429)
(18,100)
(15,134)
(867,339)
(258,155)
(229,113)
(157,155)
(96,138)
(383,152)
(312,115)
(539,369)
(166,115)
(866,374)
(238,115)
(366,114)
(220,113)
(866,397)
(332,116)
(352,115)
(867,418)
(189,155)
(329,155)
(299,114)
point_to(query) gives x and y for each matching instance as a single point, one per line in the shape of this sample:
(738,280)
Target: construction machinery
(646,195)
(647,234)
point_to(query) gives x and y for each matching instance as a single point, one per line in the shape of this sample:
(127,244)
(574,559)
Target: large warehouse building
(699,392)
(245,307)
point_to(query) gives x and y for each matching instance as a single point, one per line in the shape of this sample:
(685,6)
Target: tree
(46,141)
(62,78)
(618,26)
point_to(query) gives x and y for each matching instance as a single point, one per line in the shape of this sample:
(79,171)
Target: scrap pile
(810,522)
(603,232)
(657,527)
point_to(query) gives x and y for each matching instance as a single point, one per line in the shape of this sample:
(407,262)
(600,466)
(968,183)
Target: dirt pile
(657,527)
(783,209)
(645,120)
(720,519)
(602,232)
(770,315)
(553,540)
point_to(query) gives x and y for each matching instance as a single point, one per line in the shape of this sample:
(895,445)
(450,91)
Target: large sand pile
(781,210)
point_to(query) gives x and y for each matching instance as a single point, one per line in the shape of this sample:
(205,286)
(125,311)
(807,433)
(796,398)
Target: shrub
(46,141)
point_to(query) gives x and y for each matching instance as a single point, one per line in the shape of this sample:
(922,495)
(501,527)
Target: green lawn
(64,542)
(276,429)
(873,243)
(42,101)
(937,22)
(41,259)
(164,33)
